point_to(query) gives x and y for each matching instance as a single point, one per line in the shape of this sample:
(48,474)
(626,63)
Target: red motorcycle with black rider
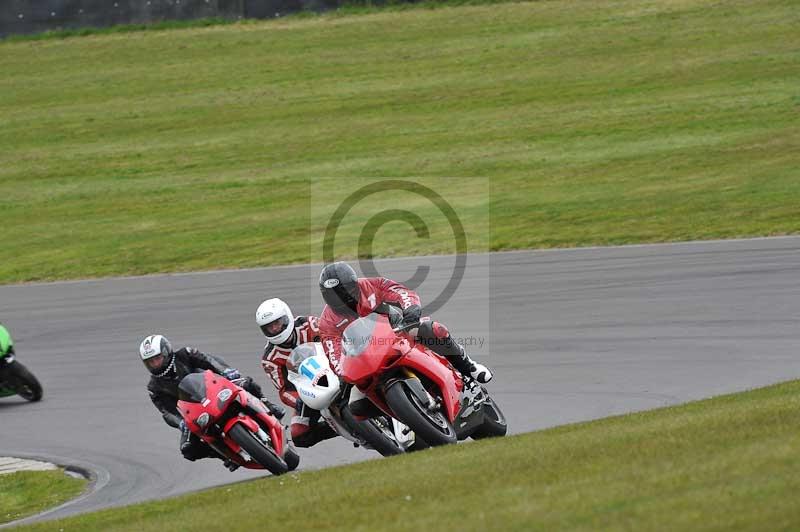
(401,365)
(234,423)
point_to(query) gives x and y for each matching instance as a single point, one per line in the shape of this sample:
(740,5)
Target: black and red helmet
(338,283)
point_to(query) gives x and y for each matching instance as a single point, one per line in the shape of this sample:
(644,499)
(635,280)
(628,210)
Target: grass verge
(728,463)
(594,123)
(26,493)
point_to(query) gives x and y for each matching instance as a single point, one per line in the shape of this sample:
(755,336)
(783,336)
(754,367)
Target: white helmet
(276,320)
(156,353)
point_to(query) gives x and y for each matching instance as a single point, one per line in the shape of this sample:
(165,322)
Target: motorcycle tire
(433,427)
(260,452)
(494,423)
(291,458)
(25,383)
(372,434)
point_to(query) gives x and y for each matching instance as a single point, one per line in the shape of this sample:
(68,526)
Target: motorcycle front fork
(433,402)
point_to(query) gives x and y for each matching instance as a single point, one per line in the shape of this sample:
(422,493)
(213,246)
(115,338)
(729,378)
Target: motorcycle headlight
(222,397)
(202,420)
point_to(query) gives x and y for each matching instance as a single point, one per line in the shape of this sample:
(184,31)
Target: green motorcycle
(15,379)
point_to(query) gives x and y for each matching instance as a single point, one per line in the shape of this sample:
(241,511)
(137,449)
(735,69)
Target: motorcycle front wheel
(257,449)
(373,432)
(429,424)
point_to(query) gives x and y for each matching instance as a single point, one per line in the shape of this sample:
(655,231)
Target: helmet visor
(342,298)
(275,327)
(156,363)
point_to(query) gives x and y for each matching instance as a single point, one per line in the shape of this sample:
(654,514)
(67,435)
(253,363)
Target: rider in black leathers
(168,367)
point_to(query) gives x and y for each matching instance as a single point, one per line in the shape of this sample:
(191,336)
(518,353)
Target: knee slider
(439,330)
(433,329)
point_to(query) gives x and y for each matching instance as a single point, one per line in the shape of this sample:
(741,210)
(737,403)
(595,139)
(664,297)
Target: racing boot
(467,366)
(436,337)
(276,410)
(185,443)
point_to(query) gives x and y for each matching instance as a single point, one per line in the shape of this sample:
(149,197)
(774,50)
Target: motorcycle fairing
(252,410)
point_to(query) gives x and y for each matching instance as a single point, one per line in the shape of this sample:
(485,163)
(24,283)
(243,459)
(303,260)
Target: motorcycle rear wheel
(431,426)
(372,434)
(494,423)
(261,453)
(24,382)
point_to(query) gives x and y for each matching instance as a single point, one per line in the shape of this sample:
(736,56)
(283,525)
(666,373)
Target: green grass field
(588,123)
(728,463)
(28,492)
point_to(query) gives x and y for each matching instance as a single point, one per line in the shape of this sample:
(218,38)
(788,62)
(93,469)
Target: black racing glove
(392,312)
(411,316)
(172,420)
(231,374)
(395,316)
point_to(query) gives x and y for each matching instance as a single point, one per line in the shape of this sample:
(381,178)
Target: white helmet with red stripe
(276,320)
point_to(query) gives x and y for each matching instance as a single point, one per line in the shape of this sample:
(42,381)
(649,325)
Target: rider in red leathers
(284,332)
(348,297)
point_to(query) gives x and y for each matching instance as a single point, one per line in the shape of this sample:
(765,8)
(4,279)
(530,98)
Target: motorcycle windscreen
(299,355)
(366,344)
(192,388)
(357,337)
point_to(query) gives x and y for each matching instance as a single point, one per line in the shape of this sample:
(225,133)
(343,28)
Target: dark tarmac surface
(572,335)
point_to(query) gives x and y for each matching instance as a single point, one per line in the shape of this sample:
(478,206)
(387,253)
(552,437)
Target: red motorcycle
(234,423)
(411,383)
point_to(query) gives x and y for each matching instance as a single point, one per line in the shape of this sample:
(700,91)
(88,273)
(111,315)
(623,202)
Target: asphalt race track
(571,334)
